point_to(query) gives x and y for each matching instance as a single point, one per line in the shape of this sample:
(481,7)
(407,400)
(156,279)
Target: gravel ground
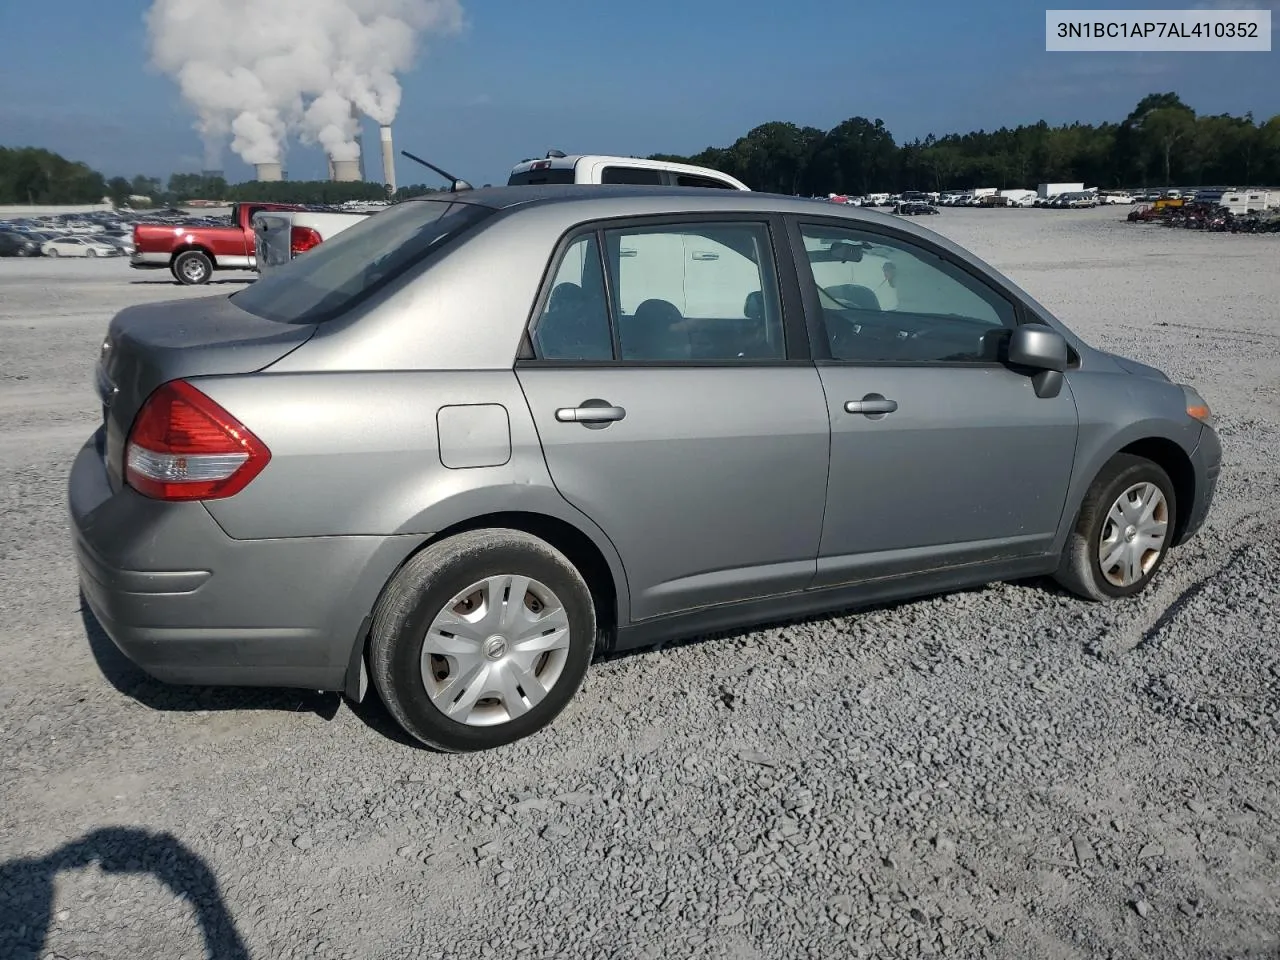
(1003,772)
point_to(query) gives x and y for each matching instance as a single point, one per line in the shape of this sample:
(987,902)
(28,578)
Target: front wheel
(192,268)
(482,639)
(53,252)
(1123,532)
(91,253)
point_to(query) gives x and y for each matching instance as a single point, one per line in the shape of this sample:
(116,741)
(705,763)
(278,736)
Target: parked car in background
(18,245)
(85,246)
(193,251)
(467,443)
(123,244)
(914,208)
(556,167)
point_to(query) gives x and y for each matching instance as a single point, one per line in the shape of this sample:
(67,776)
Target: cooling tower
(388,160)
(346,170)
(268,171)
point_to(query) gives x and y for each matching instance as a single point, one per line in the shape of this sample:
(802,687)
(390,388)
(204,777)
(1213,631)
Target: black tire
(419,592)
(1080,570)
(192,268)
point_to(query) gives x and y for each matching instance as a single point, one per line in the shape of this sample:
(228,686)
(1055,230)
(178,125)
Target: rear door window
(359,261)
(695,292)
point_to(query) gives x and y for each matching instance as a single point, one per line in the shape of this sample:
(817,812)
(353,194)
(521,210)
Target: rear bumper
(1206,460)
(188,604)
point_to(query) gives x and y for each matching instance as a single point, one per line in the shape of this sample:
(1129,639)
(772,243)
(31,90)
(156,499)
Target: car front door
(941,455)
(668,376)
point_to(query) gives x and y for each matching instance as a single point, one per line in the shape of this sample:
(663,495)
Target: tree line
(1162,142)
(30,175)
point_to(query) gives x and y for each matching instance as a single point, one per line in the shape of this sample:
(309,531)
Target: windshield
(359,261)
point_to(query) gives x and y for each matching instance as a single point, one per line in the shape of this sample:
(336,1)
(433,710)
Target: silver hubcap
(1133,536)
(193,270)
(495,651)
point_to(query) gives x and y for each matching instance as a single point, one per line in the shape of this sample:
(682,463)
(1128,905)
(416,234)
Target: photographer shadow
(27,888)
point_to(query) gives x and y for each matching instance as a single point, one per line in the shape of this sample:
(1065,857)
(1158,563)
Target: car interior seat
(648,333)
(572,327)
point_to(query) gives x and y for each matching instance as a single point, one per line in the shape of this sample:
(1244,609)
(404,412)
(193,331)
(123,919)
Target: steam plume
(254,71)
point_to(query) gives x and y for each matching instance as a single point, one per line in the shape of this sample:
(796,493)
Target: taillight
(302,239)
(183,446)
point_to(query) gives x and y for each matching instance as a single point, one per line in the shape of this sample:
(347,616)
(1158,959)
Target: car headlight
(1197,406)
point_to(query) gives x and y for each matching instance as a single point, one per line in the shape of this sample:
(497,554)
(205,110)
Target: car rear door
(668,374)
(941,455)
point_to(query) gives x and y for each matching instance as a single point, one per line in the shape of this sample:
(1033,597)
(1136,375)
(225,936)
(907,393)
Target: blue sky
(624,77)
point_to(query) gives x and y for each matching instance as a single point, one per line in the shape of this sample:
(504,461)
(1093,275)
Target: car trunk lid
(150,344)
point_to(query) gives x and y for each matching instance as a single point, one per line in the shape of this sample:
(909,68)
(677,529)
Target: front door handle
(590,413)
(872,403)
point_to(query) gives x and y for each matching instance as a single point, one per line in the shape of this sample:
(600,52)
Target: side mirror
(1036,347)
(1039,347)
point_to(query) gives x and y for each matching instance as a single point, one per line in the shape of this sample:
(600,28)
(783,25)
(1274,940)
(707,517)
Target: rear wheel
(91,252)
(482,639)
(1123,531)
(192,268)
(53,252)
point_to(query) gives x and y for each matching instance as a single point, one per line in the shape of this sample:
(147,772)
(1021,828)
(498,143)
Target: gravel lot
(1005,772)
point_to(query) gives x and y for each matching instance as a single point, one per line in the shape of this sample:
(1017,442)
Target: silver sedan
(462,447)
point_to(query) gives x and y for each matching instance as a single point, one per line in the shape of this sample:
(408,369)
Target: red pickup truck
(191,252)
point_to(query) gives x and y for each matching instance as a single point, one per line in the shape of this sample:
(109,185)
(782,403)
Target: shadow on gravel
(817,618)
(130,680)
(372,712)
(27,888)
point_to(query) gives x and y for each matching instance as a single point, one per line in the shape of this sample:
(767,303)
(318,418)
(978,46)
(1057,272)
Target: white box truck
(1046,190)
(1018,198)
(1246,201)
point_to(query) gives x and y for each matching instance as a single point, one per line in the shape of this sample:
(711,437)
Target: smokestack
(359,125)
(346,170)
(388,159)
(268,171)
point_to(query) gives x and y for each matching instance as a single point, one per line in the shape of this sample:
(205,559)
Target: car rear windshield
(545,175)
(330,279)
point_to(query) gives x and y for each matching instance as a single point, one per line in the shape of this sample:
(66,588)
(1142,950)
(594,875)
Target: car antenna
(455,184)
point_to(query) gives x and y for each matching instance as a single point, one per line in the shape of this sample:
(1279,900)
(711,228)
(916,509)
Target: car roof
(581,202)
(618,200)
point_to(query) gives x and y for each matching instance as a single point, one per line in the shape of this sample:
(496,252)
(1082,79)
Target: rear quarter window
(633,175)
(329,280)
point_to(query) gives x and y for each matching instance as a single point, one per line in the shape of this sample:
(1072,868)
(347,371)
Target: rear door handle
(590,414)
(871,404)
